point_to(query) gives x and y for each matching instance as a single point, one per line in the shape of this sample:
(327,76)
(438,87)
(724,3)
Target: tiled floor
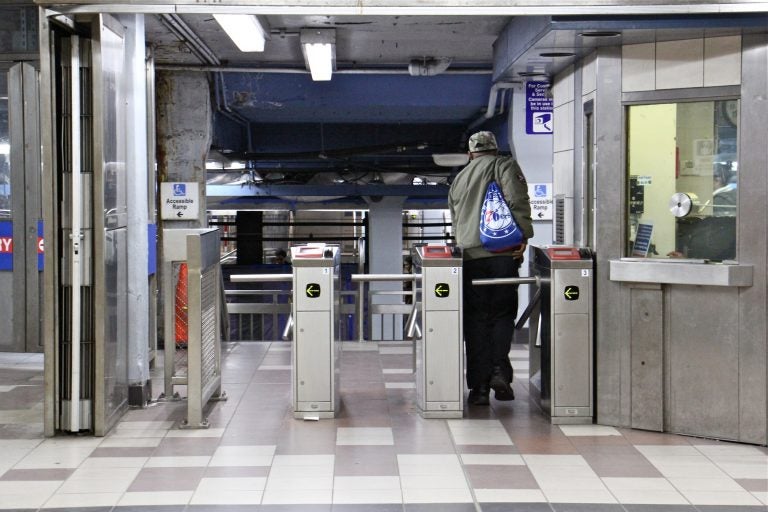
(378,455)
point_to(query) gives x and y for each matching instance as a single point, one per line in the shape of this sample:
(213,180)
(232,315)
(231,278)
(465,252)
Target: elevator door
(87,121)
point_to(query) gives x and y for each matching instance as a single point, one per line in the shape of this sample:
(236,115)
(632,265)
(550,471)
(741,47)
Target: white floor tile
(198,432)
(518,364)
(21,487)
(492,459)
(705,484)
(549,482)
(649,497)
(243,455)
(114,462)
(155,498)
(303,460)
(720,498)
(588,430)
(363,496)
(299,483)
(437,496)
(509,496)
(397,371)
(519,353)
(457,481)
(651,450)
(366,482)
(23,501)
(637,484)
(281,497)
(188,461)
(724,450)
(744,470)
(761,496)
(99,480)
(579,496)
(226,497)
(103,499)
(301,471)
(364,436)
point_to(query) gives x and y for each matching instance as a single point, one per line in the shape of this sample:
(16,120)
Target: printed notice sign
(540,195)
(180,201)
(538,109)
(642,240)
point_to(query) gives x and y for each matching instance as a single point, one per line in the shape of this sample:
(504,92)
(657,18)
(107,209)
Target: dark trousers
(489,318)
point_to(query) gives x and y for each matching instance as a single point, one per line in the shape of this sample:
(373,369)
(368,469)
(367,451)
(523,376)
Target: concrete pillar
(184,131)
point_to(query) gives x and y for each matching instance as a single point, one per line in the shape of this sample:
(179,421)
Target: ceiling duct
(428,66)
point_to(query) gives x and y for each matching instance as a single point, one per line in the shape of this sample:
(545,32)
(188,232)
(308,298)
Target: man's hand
(519,251)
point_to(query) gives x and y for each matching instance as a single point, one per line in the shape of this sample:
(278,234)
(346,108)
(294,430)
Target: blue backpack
(499,231)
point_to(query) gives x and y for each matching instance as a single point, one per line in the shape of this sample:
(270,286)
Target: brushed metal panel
(447,275)
(672,272)
(312,353)
(646,340)
(704,361)
(572,363)
(442,356)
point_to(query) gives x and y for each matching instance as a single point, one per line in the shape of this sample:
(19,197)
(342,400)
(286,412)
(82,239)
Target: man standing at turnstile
(489,311)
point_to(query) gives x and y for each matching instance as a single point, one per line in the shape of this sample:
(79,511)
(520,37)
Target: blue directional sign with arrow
(442,290)
(313,290)
(571,293)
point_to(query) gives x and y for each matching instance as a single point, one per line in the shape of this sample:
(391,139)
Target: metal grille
(559,220)
(208,294)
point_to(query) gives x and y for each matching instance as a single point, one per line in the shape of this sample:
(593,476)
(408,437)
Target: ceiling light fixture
(318,45)
(245,31)
(557,54)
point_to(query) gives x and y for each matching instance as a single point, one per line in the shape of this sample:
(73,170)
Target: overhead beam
(336,190)
(413,7)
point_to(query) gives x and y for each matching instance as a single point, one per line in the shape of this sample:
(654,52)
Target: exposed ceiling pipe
(302,70)
(491,110)
(180,29)
(428,66)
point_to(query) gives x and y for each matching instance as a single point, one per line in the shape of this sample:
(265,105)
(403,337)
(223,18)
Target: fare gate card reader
(439,352)
(315,347)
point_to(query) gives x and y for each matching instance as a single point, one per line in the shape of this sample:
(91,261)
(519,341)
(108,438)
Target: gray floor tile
(440,507)
(659,508)
(368,508)
(586,507)
(730,508)
(515,507)
(154,508)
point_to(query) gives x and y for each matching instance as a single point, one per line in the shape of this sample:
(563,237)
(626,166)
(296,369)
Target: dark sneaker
(479,396)
(501,389)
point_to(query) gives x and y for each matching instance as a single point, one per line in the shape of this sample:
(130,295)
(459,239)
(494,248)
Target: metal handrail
(260,278)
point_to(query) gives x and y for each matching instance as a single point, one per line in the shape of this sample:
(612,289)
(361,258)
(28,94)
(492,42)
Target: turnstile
(561,332)
(439,351)
(314,368)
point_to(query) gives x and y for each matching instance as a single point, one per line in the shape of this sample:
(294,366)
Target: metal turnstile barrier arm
(535,280)
(368,278)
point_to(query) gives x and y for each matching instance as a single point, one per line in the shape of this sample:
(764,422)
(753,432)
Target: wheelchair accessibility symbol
(179,189)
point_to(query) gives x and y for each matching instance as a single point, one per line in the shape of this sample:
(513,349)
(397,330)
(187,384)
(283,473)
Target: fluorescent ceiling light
(319,49)
(244,30)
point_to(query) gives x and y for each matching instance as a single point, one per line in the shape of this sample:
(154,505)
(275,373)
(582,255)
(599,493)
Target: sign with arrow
(313,290)
(571,293)
(540,195)
(442,290)
(179,201)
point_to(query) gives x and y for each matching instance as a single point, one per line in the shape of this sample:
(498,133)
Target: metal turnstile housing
(561,334)
(439,351)
(314,359)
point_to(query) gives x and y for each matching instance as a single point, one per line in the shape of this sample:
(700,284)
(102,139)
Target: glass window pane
(5,149)
(683,180)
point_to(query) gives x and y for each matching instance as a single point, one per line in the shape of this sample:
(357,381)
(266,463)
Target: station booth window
(682,163)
